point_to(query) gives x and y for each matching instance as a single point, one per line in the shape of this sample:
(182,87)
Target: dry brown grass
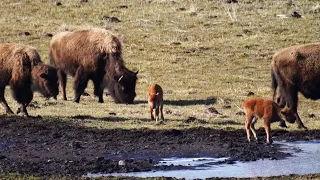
(200,57)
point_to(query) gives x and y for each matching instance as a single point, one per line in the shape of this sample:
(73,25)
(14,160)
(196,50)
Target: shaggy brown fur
(269,111)
(155,101)
(17,63)
(296,69)
(88,55)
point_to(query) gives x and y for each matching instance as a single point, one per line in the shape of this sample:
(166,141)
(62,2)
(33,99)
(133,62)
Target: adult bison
(21,68)
(296,69)
(93,54)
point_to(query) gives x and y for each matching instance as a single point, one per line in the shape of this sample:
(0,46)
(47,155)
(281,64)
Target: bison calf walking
(155,101)
(269,111)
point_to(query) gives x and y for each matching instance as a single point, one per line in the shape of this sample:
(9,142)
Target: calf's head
(288,115)
(45,80)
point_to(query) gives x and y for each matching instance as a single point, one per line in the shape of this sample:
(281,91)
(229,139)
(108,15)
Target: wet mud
(44,147)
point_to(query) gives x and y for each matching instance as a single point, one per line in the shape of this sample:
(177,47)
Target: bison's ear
(136,72)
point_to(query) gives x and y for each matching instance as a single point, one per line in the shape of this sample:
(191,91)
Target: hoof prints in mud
(39,146)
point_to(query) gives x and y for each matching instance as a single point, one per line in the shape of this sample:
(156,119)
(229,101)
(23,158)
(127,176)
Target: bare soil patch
(41,147)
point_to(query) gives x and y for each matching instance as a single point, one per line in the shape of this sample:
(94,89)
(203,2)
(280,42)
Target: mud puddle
(304,160)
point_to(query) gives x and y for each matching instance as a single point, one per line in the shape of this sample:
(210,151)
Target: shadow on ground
(208,101)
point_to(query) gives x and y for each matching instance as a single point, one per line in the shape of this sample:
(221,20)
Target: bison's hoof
(302,126)
(10,112)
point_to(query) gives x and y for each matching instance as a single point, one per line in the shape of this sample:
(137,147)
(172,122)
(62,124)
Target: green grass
(191,48)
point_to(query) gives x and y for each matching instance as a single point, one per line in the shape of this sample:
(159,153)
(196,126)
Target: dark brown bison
(21,68)
(93,54)
(269,111)
(296,69)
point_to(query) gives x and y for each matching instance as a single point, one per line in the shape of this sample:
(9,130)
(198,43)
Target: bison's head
(288,115)
(45,80)
(124,88)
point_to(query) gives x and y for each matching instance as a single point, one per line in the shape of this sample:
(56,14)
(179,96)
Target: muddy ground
(42,147)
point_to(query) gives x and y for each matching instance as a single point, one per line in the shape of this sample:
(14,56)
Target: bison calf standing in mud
(155,101)
(269,111)
(21,68)
(296,69)
(93,54)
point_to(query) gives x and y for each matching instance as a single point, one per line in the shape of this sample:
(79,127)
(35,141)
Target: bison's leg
(23,95)
(63,81)
(80,83)
(267,129)
(292,100)
(98,88)
(28,100)
(249,118)
(4,102)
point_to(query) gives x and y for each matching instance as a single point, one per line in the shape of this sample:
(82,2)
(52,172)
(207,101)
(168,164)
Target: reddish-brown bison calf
(269,111)
(155,101)
(21,68)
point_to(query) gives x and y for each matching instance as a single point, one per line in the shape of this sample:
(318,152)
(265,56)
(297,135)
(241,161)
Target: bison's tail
(51,58)
(274,84)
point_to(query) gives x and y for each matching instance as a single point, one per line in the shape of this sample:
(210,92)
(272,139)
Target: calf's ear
(136,72)
(285,111)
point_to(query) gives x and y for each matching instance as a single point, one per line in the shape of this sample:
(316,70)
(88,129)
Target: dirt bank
(38,146)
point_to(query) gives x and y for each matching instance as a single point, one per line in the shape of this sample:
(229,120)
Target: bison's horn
(120,78)
(136,72)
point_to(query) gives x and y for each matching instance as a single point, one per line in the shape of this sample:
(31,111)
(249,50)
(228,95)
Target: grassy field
(203,53)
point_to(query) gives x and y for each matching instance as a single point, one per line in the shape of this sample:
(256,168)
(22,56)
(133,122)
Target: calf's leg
(161,111)
(151,113)
(157,114)
(253,130)
(267,129)
(249,118)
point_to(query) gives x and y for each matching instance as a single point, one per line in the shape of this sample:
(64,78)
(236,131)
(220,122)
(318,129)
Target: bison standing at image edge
(21,68)
(296,69)
(93,54)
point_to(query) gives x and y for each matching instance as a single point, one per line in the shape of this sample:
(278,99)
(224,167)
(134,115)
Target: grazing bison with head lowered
(92,54)
(296,69)
(21,68)
(269,111)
